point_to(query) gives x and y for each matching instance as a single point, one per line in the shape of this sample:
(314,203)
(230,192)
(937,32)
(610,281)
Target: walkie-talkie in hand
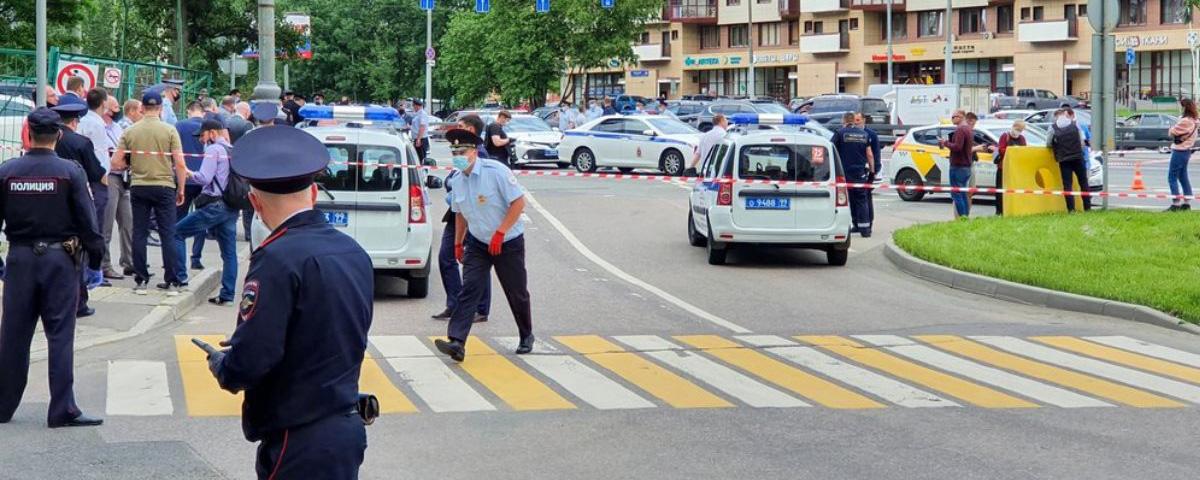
(208,348)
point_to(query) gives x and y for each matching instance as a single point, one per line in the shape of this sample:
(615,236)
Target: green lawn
(1147,258)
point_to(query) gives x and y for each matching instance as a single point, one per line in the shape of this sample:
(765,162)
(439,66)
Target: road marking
(617,272)
(1030,388)
(716,375)
(803,383)
(514,386)
(1146,348)
(371,379)
(1128,376)
(539,347)
(1048,373)
(967,391)
(873,383)
(204,397)
(428,376)
(138,388)
(655,380)
(1120,356)
(586,383)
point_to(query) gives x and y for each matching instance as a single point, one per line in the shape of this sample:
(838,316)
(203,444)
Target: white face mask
(1015,133)
(1063,122)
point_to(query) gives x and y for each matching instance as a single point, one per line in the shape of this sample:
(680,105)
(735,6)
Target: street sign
(1130,56)
(483,6)
(430,53)
(1098,15)
(67,70)
(240,66)
(607,3)
(112,77)
(431,62)
(426,4)
(543,6)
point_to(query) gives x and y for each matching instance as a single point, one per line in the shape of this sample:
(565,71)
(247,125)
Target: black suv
(828,109)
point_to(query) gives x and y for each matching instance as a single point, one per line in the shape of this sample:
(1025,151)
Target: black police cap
(462,138)
(279,160)
(70,106)
(44,120)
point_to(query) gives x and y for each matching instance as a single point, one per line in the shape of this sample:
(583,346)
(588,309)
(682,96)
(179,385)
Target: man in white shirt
(92,125)
(709,140)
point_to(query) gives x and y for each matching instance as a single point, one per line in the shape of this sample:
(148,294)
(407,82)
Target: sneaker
(1174,208)
(1185,207)
(171,288)
(220,302)
(139,288)
(197,266)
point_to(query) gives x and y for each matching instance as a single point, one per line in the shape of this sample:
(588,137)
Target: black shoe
(105,283)
(453,348)
(129,271)
(1174,208)
(865,233)
(1185,207)
(480,318)
(113,275)
(220,302)
(197,266)
(163,286)
(526,345)
(80,421)
(445,315)
(86,312)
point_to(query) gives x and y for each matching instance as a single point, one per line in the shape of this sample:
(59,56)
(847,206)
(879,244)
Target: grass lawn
(1146,258)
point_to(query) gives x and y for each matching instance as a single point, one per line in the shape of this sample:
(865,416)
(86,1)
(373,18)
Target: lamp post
(429,61)
(948,69)
(889,43)
(266,90)
(750,43)
(40,54)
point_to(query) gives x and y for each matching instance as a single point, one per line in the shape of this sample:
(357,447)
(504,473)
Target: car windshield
(670,126)
(805,163)
(527,125)
(770,108)
(834,105)
(1033,137)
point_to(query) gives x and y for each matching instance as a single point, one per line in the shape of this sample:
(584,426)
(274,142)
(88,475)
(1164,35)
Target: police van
(749,193)
(375,189)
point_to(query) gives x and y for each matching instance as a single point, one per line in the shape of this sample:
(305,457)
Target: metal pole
(1100,63)
(750,42)
(948,69)
(266,90)
(889,42)
(428,63)
(124,25)
(180,49)
(232,72)
(40,55)
(287,81)
(1109,103)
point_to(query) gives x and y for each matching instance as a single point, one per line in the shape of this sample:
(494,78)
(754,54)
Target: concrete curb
(1030,295)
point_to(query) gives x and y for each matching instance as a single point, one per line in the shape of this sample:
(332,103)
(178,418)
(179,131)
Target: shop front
(728,75)
(1163,66)
(924,65)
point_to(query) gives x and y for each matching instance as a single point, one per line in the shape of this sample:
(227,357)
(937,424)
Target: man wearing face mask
(447,263)
(211,213)
(1015,136)
(487,201)
(1066,141)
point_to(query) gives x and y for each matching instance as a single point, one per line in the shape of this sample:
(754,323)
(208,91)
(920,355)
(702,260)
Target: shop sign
(883,58)
(639,73)
(917,52)
(961,48)
(712,61)
(1134,41)
(776,58)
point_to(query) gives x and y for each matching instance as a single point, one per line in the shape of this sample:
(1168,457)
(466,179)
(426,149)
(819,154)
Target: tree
(17,28)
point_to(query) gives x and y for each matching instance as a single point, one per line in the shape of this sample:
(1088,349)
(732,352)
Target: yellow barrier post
(1034,168)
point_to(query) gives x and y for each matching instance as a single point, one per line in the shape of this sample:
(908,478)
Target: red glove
(497,243)
(458,252)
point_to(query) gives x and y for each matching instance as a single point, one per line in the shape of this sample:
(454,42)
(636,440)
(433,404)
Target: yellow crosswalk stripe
(1049,373)
(203,395)
(518,389)
(1117,355)
(655,380)
(371,379)
(816,388)
(904,369)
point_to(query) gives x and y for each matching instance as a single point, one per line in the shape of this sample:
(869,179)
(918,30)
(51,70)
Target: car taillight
(416,205)
(843,197)
(725,193)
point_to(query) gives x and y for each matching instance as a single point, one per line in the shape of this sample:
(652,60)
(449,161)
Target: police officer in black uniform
(303,319)
(79,149)
(49,220)
(854,147)
(860,121)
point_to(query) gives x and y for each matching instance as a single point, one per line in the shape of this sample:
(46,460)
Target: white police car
(654,142)
(729,209)
(375,190)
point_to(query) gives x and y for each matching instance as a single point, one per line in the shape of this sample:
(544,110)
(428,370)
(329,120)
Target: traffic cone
(1138,183)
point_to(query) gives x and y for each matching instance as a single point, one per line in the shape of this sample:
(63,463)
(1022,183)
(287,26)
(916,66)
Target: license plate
(338,219)
(768,203)
(550,153)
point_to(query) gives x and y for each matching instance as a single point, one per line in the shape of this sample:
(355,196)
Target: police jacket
(79,149)
(302,327)
(45,199)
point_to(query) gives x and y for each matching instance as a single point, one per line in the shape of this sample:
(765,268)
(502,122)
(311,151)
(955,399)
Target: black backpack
(236,192)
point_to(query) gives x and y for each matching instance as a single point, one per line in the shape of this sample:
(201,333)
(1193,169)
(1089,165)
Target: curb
(1030,295)
(169,311)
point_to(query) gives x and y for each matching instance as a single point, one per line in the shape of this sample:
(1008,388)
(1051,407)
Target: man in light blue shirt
(420,129)
(211,213)
(564,115)
(170,95)
(594,110)
(487,202)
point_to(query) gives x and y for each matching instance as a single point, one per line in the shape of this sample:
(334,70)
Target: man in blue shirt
(854,147)
(193,156)
(211,213)
(487,201)
(447,263)
(420,129)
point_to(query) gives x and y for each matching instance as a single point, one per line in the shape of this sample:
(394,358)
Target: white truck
(916,105)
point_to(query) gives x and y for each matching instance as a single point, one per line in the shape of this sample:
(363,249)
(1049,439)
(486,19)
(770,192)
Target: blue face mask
(460,162)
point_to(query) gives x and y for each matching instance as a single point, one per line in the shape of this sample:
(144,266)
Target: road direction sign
(607,3)
(1098,16)
(430,53)
(483,6)
(1130,56)
(426,4)
(542,6)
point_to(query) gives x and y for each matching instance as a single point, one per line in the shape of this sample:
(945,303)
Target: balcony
(692,11)
(825,43)
(824,6)
(876,5)
(1049,31)
(789,9)
(653,52)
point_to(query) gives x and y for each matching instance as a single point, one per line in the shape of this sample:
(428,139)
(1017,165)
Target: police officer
(860,121)
(420,129)
(487,202)
(854,147)
(79,149)
(48,218)
(298,368)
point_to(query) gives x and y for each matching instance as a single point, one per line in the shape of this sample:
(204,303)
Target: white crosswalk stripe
(992,376)
(883,387)
(587,384)
(138,388)
(1149,349)
(429,376)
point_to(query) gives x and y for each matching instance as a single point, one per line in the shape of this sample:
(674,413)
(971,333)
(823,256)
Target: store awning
(1078,66)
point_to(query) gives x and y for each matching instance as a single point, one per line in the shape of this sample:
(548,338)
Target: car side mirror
(429,162)
(649,133)
(433,182)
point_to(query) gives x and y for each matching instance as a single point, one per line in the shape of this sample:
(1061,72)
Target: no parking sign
(66,70)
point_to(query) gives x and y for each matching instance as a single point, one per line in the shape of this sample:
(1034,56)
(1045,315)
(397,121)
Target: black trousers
(999,188)
(423,150)
(477,267)
(39,286)
(159,201)
(331,448)
(1079,170)
(860,200)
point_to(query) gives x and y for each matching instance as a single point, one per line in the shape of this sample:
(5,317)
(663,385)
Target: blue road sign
(483,6)
(426,4)
(607,3)
(543,6)
(1130,56)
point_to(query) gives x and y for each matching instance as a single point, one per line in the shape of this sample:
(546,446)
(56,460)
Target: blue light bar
(768,119)
(341,112)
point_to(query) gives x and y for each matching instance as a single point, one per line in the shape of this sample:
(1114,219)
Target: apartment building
(811,47)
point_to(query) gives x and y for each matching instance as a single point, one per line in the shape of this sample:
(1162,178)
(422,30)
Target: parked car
(703,121)
(1036,98)
(13,110)
(828,109)
(1146,130)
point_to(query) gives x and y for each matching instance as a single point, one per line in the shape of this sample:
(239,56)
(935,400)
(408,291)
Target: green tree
(17,29)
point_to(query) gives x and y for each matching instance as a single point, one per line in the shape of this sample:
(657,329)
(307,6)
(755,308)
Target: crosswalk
(625,372)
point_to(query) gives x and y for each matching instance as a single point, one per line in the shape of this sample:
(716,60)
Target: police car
(728,210)
(374,189)
(653,142)
(917,160)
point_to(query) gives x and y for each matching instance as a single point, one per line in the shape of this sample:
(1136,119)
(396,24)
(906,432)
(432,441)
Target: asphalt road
(610,266)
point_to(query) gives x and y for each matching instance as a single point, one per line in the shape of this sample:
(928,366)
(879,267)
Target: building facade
(811,47)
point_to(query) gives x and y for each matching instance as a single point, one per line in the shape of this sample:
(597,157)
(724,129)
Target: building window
(739,36)
(760,2)
(929,24)
(768,34)
(1156,74)
(645,39)
(899,26)
(1069,12)
(732,3)
(1025,14)
(1133,12)
(674,34)
(793,32)
(1175,12)
(710,36)
(970,20)
(854,24)
(1004,19)
(1039,14)
(813,28)
(1082,9)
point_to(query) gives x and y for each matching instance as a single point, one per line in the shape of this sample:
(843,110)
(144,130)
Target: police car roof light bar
(343,112)
(768,119)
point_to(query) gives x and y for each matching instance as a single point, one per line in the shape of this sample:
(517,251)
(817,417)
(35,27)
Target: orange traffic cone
(1138,183)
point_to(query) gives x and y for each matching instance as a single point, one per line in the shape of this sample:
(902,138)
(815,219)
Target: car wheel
(716,251)
(418,287)
(909,178)
(584,160)
(694,237)
(837,257)
(625,170)
(671,163)
(1031,106)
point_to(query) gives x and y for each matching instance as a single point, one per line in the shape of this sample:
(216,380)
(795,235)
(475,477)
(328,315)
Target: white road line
(1128,376)
(1033,389)
(719,376)
(858,377)
(428,376)
(617,272)
(587,384)
(1150,349)
(138,388)
(540,347)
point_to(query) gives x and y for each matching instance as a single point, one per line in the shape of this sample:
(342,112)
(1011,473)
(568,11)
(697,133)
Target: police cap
(279,160)
(44,120)
(70,106)
(264,111)
(462,138)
